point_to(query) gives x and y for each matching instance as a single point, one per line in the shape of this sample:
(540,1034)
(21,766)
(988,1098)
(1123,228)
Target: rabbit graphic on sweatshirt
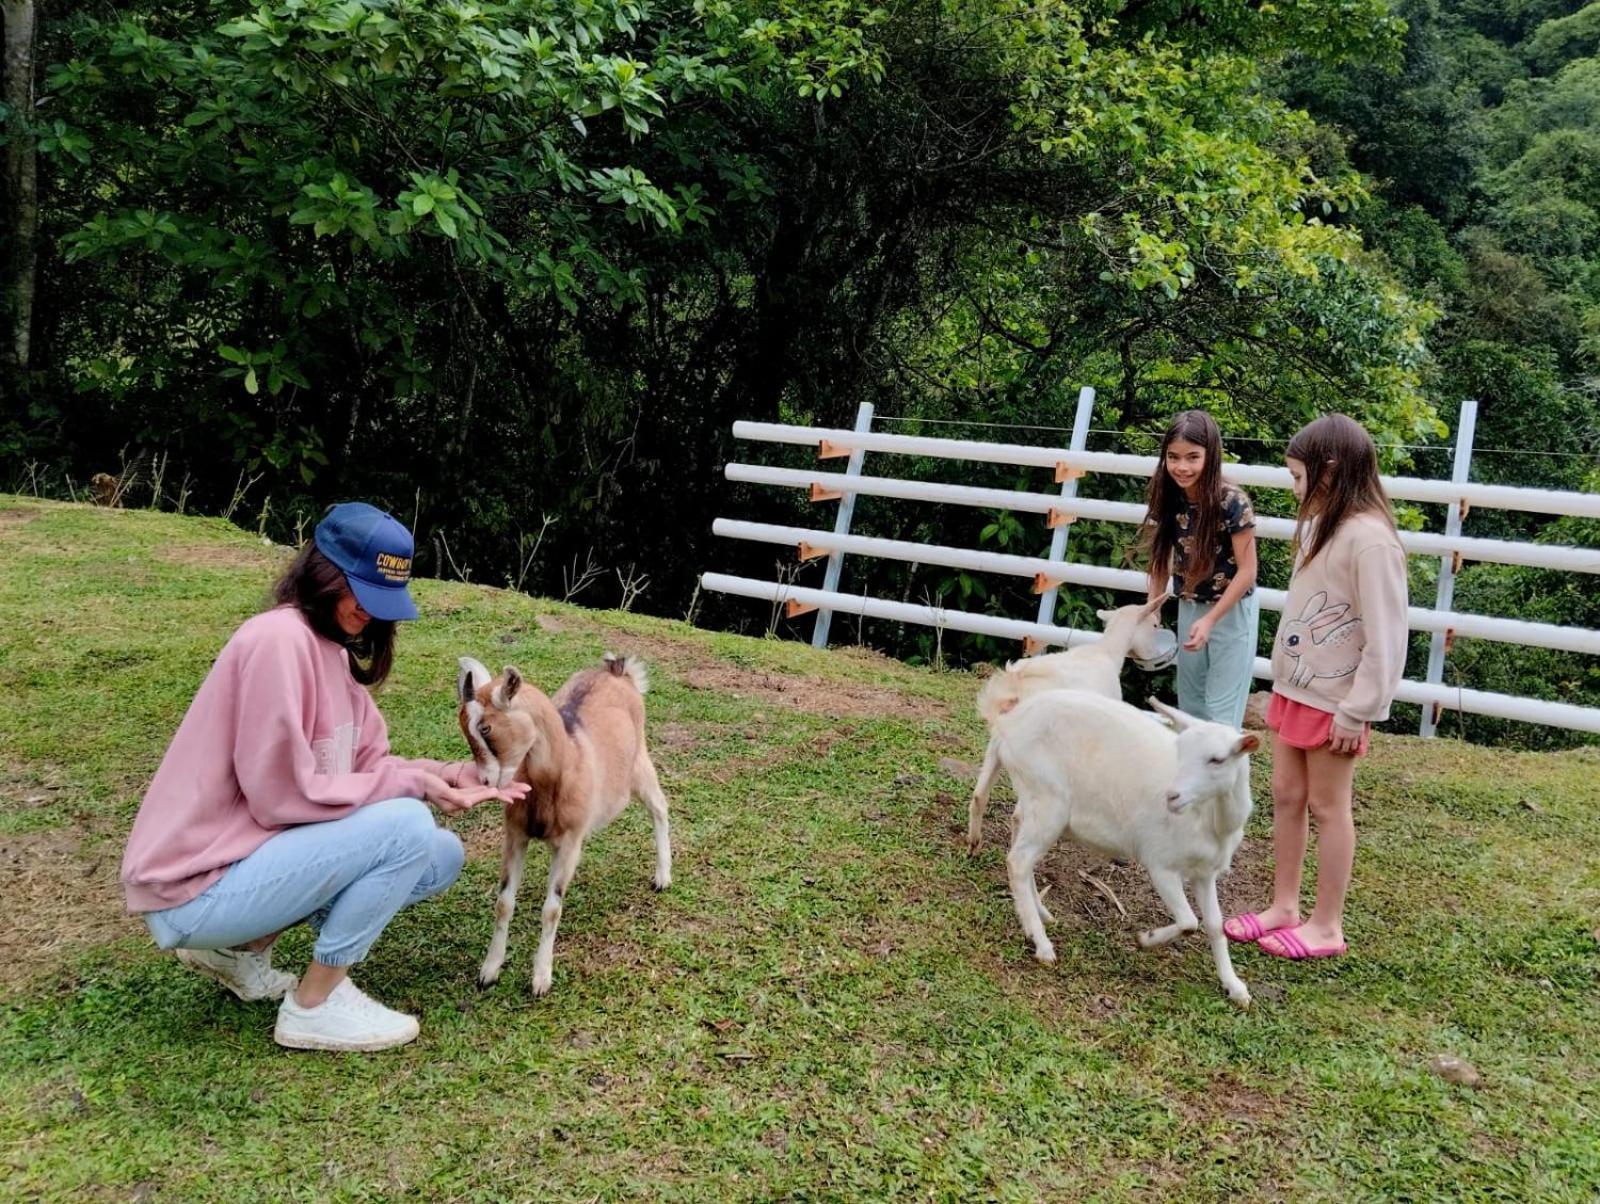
(1321,642)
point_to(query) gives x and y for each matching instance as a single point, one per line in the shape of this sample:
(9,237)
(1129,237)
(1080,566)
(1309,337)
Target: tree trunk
(20,214)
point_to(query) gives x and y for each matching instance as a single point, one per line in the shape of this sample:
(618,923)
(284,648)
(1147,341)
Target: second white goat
(1133,630)
(1118,781)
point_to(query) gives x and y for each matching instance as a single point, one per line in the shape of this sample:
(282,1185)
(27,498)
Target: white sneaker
(247,975)
(347,1019)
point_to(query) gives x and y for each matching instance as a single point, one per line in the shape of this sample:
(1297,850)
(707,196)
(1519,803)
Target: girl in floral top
(1200,532)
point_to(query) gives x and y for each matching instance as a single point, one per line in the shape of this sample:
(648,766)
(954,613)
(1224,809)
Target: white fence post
(1460,465)
(841,526)
(1069,488)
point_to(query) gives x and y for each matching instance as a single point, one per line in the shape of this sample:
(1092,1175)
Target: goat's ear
(1154,605)
(1105,616)
(1247,743)
(510,683)
(470,679)
(1177,718)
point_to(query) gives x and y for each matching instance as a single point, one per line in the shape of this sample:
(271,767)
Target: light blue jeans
(347,878)
(1214,683)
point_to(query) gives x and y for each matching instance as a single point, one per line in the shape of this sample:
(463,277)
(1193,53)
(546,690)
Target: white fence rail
(1062,509)
(1043,571)
(1452,698)
(837,442)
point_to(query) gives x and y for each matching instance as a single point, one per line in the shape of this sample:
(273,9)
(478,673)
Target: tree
(490,262)
(19,190)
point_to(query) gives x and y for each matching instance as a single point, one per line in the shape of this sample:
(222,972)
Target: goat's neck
(551,757)
(1232,807)
(1118,638)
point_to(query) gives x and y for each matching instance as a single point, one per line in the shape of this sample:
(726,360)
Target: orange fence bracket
(1059,518)
(820,493)
(793,609)
(829,450)
(1065,472)
(811,551)
(1043,584)
(1032,646)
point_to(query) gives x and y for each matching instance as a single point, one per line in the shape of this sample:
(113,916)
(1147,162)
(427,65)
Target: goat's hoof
(1240,998)
(487,979)
(1046,954)
(660,884)
(974,843)
(541,987)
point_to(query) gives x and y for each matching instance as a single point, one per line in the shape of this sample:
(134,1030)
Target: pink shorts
(1302,726)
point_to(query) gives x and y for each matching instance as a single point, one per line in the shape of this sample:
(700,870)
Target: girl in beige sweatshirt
(1336,662)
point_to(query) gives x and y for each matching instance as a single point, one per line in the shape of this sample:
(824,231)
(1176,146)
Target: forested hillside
(514,268)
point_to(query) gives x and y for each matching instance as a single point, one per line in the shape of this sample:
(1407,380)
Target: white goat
(1133,630)
(1118,781)
(583,753)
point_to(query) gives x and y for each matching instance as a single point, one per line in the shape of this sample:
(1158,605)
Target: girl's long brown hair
(313,585)
(1166,500)
(1341,478)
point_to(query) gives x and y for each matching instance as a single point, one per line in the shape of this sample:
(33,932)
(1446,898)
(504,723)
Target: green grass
(832,1001)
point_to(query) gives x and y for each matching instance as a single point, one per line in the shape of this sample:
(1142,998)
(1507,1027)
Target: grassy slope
(831,1002)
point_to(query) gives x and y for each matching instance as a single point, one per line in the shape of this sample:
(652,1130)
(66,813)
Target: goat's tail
(999,694)
(631,668)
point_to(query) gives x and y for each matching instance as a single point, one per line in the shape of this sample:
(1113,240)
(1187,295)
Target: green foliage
(377,247)
(1558,42)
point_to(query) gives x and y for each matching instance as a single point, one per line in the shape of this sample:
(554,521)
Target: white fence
(1060,510)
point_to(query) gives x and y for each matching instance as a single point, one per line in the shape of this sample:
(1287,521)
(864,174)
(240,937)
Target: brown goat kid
(583,753)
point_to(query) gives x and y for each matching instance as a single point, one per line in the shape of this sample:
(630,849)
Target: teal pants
(1214,683)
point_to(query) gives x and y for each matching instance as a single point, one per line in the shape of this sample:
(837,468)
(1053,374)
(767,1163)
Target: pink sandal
(1284,943)
(1246,929)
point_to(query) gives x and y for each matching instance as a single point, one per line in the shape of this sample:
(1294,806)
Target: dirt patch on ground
(18,517)
(1230,1100)
(838,699)
(62,896)
(1068,868)
(674,737)
(1071,877)
(222,556)
(693,665)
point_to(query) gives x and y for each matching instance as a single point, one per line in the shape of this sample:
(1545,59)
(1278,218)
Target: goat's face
(500,731)
(1211,759)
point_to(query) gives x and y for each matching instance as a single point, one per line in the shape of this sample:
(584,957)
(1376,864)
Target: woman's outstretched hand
(451,799)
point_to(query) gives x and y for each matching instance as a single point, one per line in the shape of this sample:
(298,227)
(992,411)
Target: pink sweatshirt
(279,734)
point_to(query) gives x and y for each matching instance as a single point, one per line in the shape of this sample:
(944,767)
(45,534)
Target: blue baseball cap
(374,552)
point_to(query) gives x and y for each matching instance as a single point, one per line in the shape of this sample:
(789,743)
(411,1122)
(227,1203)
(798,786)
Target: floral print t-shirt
(1237,515)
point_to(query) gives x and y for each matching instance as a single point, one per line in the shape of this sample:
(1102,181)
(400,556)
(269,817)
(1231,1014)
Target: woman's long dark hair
(313,585)
(1166,500)
(1341,477)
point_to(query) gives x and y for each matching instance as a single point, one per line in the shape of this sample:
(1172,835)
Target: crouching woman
(279,801)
